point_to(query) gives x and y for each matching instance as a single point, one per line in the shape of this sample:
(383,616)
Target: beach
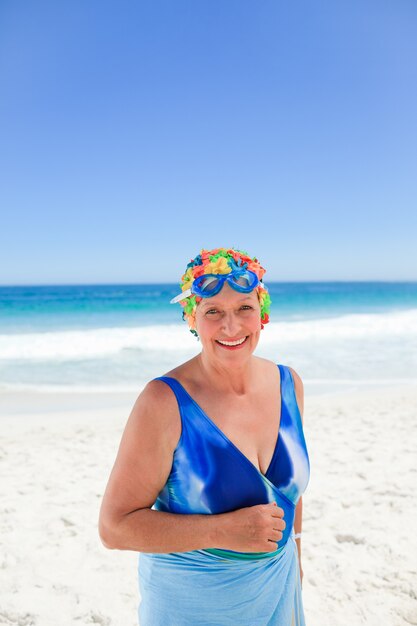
(358,546)
(138,140)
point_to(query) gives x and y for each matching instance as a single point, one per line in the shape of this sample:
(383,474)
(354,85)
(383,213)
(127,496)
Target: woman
(212,464)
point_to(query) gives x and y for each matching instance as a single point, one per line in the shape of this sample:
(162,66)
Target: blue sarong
(199,588)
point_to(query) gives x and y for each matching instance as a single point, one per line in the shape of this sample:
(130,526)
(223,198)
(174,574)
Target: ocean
(105,338)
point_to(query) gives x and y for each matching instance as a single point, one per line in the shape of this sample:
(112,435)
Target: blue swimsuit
(210,475)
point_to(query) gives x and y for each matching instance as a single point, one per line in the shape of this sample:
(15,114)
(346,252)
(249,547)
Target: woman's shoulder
(267,364)
(298,389)
(185,373)
(296,377)
(298,383)
(156,412)
(158,398)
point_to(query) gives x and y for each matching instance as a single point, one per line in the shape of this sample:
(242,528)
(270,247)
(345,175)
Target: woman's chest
(250,423)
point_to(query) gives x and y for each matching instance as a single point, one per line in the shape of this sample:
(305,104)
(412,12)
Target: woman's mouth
(232,345)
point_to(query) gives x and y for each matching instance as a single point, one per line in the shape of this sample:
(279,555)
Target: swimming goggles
(209,285)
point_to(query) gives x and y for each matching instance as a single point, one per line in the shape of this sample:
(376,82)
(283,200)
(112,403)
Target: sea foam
(100,343)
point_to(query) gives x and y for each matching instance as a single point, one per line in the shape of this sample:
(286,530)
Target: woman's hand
(251,529)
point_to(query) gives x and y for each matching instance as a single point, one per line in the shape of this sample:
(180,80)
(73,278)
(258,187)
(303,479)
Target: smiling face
(229,324)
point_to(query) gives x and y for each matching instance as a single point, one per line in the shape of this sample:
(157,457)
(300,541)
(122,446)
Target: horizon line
(132,284)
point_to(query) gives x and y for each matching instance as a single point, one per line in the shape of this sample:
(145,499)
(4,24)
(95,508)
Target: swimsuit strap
(290,398)
(177,388)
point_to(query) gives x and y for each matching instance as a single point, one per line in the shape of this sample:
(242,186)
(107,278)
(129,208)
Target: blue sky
(135,133)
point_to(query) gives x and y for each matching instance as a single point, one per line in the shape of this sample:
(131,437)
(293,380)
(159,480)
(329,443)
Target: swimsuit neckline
(229,441)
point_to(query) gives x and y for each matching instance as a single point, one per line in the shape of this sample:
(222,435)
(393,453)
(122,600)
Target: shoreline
(41,401)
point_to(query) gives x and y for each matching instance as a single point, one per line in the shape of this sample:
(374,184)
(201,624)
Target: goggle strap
(181,296)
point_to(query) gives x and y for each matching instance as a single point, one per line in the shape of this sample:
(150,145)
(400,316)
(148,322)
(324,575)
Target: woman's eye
(213,312)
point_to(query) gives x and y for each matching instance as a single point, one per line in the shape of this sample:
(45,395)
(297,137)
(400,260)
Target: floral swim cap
(221,261)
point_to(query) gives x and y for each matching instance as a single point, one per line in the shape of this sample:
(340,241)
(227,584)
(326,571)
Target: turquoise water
(116,337)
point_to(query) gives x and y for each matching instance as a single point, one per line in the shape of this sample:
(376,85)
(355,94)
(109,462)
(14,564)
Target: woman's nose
(231,324)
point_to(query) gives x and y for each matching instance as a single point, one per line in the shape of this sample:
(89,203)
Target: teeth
(232,343)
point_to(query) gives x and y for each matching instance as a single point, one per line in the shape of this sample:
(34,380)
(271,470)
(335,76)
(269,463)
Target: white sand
(359,540)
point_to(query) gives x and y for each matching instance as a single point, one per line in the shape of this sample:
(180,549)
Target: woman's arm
(299,393)
(141,469)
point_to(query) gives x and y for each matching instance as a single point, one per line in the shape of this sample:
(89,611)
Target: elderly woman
(212,465)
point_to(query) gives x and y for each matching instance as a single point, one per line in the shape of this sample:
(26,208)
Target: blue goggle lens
(207,284)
